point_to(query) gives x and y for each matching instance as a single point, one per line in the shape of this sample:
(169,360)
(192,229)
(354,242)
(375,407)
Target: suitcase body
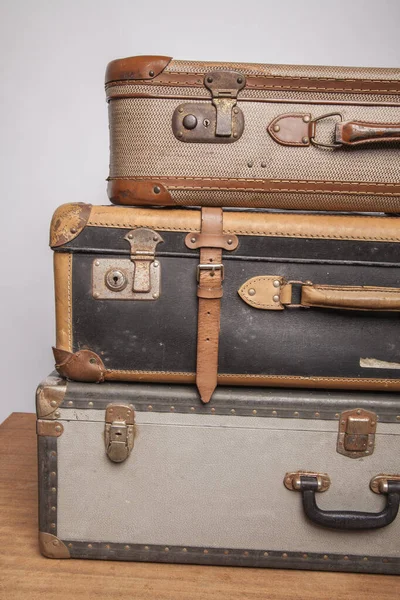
(190,483)
(307,300)
(227,134)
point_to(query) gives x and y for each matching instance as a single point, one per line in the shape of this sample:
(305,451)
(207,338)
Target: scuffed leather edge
(52,547)
(138,193)
(49,395)
(84,365)
(67,222)
(136,67)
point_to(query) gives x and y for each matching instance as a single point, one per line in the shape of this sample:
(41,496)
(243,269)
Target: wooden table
(25,574)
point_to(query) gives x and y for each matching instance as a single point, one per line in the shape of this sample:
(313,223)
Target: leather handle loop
(349,520)
(356,133)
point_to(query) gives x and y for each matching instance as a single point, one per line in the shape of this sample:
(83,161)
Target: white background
(53,130)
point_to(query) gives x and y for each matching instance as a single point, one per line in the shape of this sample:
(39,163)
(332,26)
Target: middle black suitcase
(234,298)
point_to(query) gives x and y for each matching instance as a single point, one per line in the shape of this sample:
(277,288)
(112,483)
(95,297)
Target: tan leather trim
(260,185)
(260,380)
(291,130)
(134,192)
(351,297)
(136,67)
(83,365)
(67,223)
(195,240)
(63,299)
(263,292)
(52,547)
(330,227)
(49,396)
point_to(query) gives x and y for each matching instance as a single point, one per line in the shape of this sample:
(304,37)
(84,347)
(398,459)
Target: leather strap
(354,133)
(274,293)
(209,292)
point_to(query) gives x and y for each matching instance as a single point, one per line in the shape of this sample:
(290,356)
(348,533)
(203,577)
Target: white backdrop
(54,137)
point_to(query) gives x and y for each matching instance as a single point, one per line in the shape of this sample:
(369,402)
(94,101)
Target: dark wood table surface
(25,574)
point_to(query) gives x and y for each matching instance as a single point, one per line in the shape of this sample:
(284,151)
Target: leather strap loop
(209,292)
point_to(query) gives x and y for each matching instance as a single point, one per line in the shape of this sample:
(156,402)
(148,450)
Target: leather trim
(326,226)
(63,299)
(255,185)
(196,240)
(260,292)
(83,365)
(138,192)
(260,380)
(351,297)
(136,67)
(291,130)
(356,133)
(67,223)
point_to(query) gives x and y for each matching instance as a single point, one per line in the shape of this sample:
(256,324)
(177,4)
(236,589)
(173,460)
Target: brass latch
(119,431)
(221,122)
(135,279)
(356,433)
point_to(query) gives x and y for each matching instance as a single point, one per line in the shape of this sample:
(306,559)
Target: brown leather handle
(355,133)
(275,293)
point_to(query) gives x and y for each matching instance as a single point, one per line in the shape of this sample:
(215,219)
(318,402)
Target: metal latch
(137,278)
(119,431)
(200,122)
(356,436)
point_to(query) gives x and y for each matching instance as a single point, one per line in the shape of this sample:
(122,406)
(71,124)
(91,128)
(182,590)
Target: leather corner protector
(49,428)
(49,396)
(292,129)
(196,240)
(51,547)
(136,67)
(68,221)
(262,292)
(83,365)
(130,192)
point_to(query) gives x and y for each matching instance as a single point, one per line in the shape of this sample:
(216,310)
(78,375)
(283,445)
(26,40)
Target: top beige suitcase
(228,134)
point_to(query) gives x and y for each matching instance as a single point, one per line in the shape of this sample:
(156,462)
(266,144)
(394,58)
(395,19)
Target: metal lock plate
(119,431)
(137,278)
(222,122)
(356,436)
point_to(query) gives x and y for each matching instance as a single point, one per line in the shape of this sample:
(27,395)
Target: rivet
(398,417)
(205,551)
(57,427)
(234,134)
(172,408)
(193,239)
(97,263)
(53,474)
(70,403)
(130,236)
(151,73)
(275,298)
(146,548)
(233,411)
(96,295)
(305,140)
(53,525)
(155,295)
(365,558)
(284,555)
(326,557)
(263,165)
(73,230)
(343,422)
(53,508)
(89,546)
(316,414)
(156,189)
(276,128)
(252,292)
(53,403)
(346,557)
(192,408)
(53,489)
(126,547)
(184,549)
(166,549)
(149,407)
(367,452)
(254,412)
(359,412)
(156,263)
(240,79)
(266,554)
(92,362)
(371,444)
(250,163)
(337,415)
(53,453)
(107,546)
(305,555)
(230,242)
(213,410)
(235,111)
(306,118)
(226,552)
(70,545)
(274,413)
(56,543)
(57,413)
(209,79)
(90,403)
(372,423)
(277,283)
(180,109)
(296,414)
(245,553)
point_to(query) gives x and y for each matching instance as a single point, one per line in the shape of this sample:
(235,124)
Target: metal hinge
(119,431)
(135,279)
(222,122)
(356,436)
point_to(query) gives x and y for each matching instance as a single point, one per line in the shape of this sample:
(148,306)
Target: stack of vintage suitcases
(288,301)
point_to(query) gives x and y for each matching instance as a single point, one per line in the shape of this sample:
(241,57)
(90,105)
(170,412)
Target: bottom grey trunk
(205,484)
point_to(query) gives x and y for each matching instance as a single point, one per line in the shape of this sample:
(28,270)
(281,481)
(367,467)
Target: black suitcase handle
(349,520)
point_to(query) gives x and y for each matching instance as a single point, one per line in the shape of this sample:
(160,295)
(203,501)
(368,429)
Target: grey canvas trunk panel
(205,483)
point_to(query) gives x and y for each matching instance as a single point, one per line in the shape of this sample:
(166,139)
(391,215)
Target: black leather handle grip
(347,520)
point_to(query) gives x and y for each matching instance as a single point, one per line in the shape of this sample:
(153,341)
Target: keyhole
(116,280)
